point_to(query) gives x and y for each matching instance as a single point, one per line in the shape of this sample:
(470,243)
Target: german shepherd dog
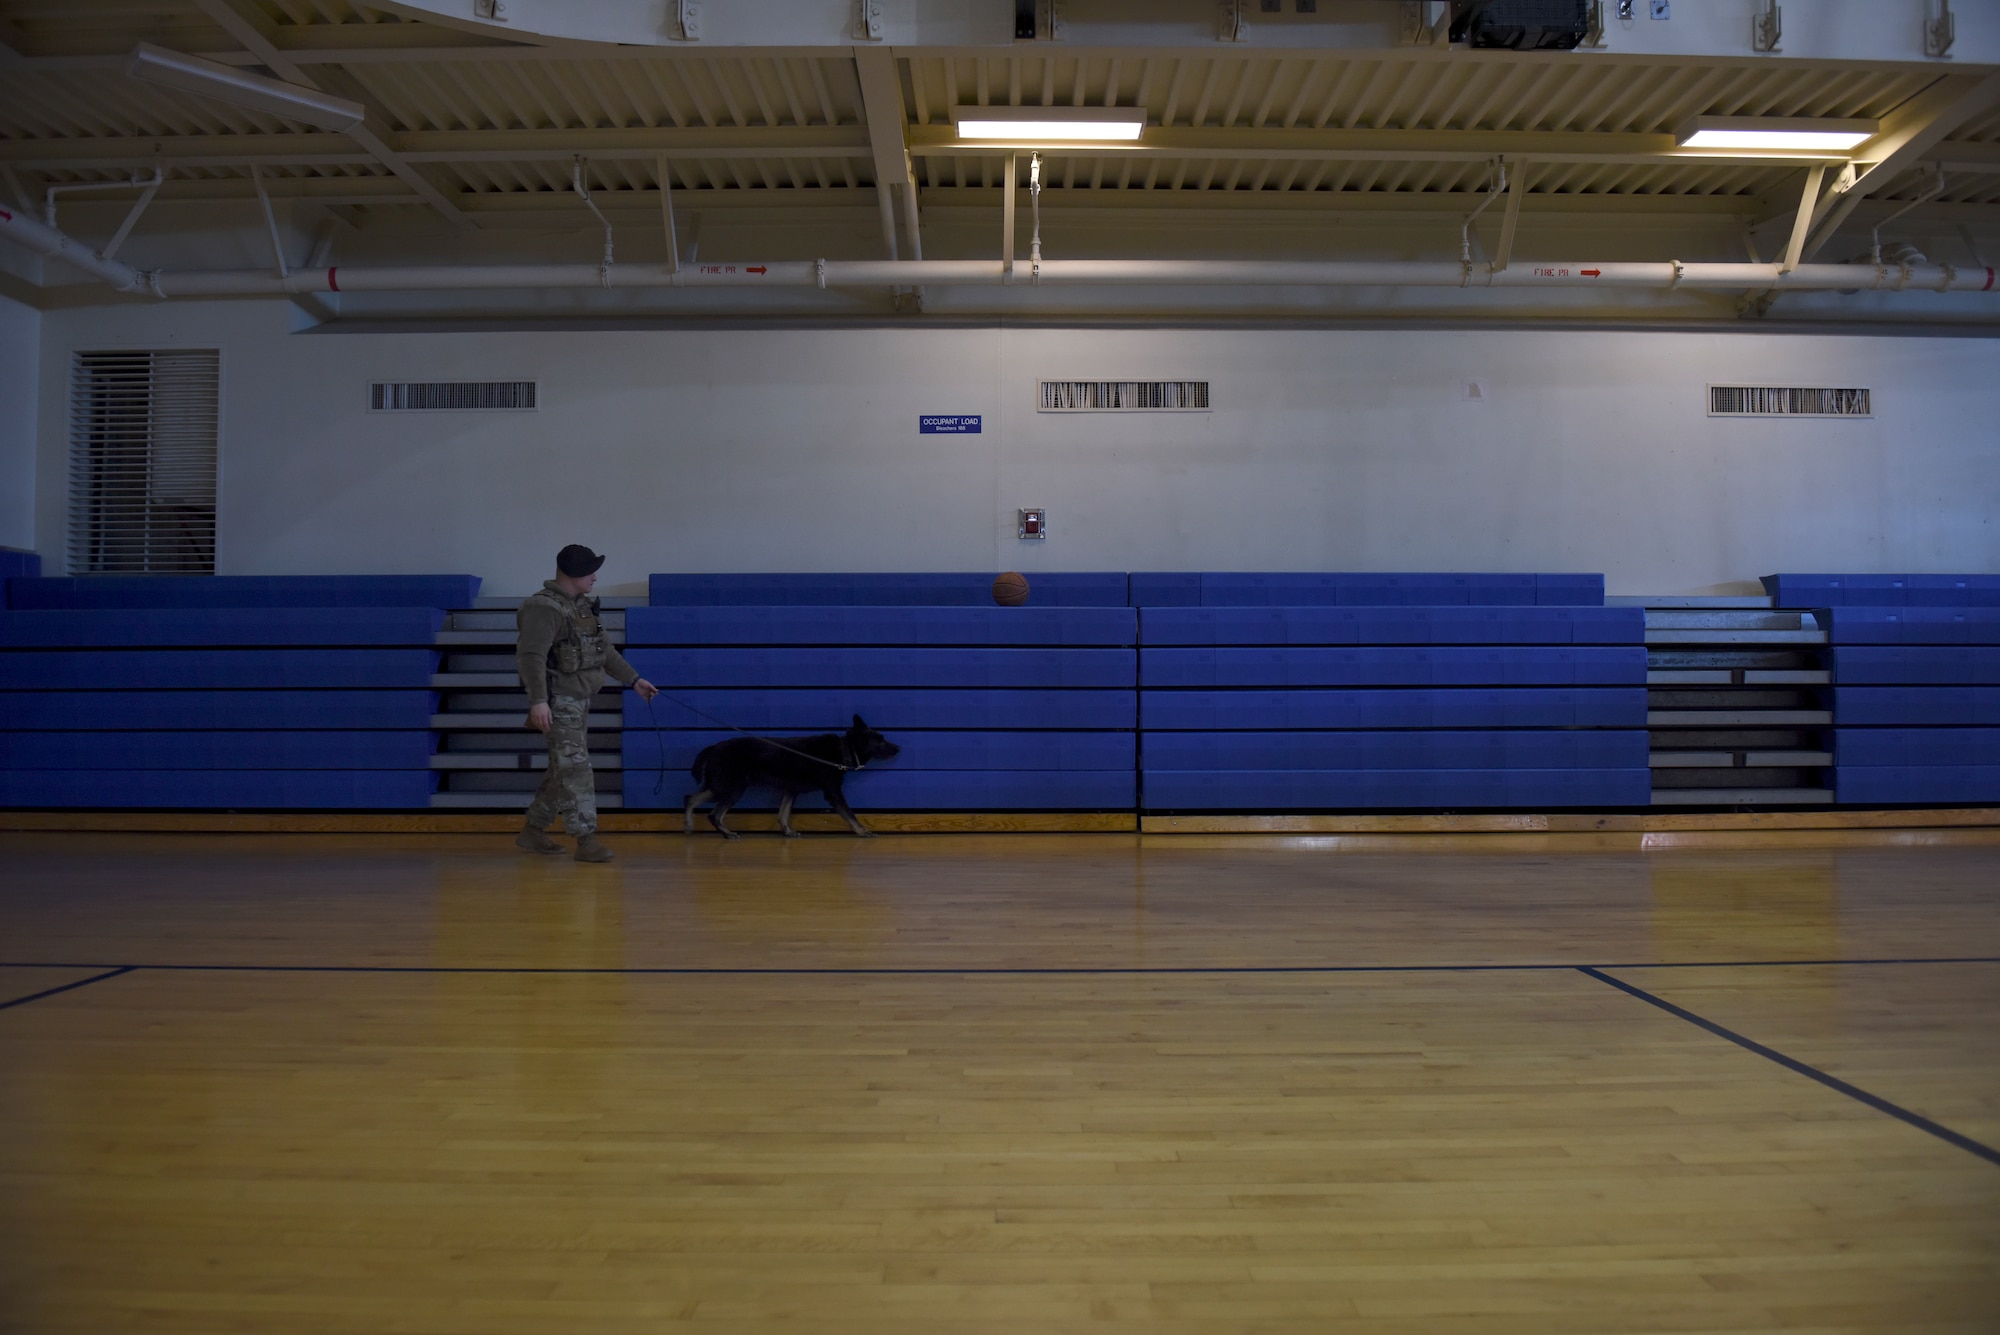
(726,770)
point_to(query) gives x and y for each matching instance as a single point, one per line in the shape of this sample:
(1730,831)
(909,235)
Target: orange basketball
(1011,589)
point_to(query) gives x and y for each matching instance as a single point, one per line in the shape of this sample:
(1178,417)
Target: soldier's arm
(619,670)
(539,626)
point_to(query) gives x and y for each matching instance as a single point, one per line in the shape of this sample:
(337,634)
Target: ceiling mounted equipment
(255,92)
(1521,25)
(1045,124)
(1776,133)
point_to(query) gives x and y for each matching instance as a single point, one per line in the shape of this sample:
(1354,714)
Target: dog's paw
(729,834)
(794,834)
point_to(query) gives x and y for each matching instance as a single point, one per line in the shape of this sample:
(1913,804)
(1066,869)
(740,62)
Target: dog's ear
(859,726)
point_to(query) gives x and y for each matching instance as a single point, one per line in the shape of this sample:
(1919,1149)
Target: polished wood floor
(986,1083)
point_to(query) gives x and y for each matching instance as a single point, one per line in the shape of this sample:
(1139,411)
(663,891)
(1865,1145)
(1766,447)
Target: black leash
(660,737)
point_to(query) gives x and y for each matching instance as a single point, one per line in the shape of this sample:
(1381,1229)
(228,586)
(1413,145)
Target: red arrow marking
(1591,273)
(755,269)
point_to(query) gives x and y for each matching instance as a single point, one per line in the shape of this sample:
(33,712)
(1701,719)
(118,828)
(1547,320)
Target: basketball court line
(66,987)
(753,971)
(1832,1082)
(1596,972)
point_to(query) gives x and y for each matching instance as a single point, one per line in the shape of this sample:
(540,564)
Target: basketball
(1011,589)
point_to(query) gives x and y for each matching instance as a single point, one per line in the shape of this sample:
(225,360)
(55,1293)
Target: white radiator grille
(1787,401)
(1124,396)
(433,396)
(142,435)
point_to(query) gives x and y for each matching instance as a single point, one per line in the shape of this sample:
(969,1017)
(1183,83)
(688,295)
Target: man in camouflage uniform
(563,656)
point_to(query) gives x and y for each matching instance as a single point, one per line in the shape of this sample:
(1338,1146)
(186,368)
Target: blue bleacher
(1444,749)
(1362,588)
(274,693)
(1458,665)
(1914,665)
(1915,748)
(17,564)
(883,589)
(1865,785)
(1810,591)
(1911,625)
(1524,707)
(1282,790)
(995,708)
(193,591)
(1393,625)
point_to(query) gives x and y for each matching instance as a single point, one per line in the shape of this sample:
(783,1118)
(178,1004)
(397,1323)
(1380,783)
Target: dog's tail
(700,767)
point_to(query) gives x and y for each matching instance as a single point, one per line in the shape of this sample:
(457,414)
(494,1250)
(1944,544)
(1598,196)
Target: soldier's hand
(645,688)
(539,717)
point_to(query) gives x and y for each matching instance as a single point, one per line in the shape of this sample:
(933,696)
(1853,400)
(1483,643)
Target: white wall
(20,369)
(799,450)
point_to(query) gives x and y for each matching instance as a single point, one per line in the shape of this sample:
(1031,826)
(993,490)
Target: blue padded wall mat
(213,669)
(1527,707)
(1277,790)
(928,750)
(1890,785)
(226,626)
(1918,706)
(882,626)
(966,589)
(241,789)
(1532,749)
(1906,747)
(1510,665)
(355,749)
(1362,588)
(888,668)
(178,711)
(17,564)
(891,789)
(1911,625)
(890,710)
(1914,665)
(243,591)
(1391,625)
(1883,590)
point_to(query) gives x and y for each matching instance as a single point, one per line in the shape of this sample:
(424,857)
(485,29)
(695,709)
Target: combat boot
(533,840)
(590,849)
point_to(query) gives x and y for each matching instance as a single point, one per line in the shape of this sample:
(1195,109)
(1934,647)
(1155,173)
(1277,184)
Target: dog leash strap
(733,728)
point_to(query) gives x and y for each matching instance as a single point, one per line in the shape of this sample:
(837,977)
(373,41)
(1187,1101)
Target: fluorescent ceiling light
(1042,123)
(1786,134)
(225,83)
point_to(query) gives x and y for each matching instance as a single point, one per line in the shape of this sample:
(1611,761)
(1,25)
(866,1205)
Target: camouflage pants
(569,788)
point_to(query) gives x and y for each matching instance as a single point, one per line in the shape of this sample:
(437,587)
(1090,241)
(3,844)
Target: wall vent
(142,449)
(1124,396)
(451,396)
(1787,401)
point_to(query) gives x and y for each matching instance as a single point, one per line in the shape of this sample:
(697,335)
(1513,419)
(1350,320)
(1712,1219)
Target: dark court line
(1081,971)
(66,987)
(1832,1082)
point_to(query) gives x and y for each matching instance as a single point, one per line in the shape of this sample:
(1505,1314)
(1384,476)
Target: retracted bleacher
(1914,662)
(996,708)
(262,693)
(1275,692)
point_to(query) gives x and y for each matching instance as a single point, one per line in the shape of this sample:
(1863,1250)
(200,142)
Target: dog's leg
(715,815)
(694,800)
(838,801)
(785,815)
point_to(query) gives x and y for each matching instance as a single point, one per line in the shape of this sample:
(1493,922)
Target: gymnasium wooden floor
(993,1083)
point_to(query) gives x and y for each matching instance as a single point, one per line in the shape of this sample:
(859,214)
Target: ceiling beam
(1373,145)
(1908,134)
(255,35)
(1974,159)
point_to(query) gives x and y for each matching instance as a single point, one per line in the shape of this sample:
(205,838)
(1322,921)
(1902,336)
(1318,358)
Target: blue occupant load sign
(948,424)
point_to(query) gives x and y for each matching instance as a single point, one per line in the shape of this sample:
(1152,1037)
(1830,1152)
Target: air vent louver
(143,431)
(1124,396)
(1787,401)
(443,396)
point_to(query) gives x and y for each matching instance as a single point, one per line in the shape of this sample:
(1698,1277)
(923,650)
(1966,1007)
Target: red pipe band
(332,285)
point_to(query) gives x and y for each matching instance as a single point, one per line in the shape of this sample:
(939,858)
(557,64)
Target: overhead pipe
(1666,275)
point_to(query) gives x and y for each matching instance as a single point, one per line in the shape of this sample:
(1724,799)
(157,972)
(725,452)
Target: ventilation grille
(142,445)
(1124,396)
(1783,401)
(445,396)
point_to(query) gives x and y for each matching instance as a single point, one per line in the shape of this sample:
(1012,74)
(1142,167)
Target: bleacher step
(507,801)
(515,760)
(1729,797)
(1739,718)
(1719,636)
(1738,677)
(1751,759)
(510,722)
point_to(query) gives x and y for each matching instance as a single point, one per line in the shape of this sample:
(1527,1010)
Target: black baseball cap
(577,560)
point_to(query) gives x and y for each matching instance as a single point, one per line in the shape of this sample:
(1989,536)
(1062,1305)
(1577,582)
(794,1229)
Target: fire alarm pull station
(1034,523)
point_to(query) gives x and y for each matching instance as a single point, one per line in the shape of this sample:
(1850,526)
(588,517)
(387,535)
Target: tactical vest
(582,646)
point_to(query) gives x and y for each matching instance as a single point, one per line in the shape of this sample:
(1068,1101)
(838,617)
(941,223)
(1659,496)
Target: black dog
(726,770)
